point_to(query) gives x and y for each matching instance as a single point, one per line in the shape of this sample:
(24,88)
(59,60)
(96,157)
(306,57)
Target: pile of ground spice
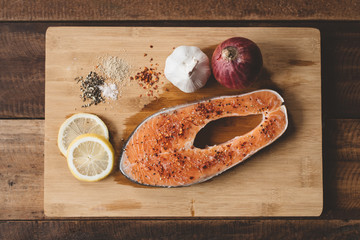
(90,88)
(114,68)
(116,71)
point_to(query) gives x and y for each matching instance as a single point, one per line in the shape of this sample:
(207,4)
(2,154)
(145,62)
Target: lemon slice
(77,125)
(90,157)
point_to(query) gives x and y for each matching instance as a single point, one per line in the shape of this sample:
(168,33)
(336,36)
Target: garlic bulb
(187,68)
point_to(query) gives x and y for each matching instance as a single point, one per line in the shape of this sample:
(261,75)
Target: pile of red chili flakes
(148,78)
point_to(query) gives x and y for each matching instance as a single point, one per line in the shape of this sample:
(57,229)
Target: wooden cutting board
(284,179)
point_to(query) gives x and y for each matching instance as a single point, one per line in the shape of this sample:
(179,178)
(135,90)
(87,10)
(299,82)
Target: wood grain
(341,169)
(73,51)
(345,146)
(21,169)
(181,229)
(341,74)
(22,60)
(19,230)
(56,10)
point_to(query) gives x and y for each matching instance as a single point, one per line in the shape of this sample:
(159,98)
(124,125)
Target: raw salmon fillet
(160,152)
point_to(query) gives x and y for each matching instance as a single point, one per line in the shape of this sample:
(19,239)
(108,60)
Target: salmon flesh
(160,151)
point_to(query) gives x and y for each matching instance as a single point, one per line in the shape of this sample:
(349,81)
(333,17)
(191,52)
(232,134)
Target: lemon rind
(67,122)
(99,139)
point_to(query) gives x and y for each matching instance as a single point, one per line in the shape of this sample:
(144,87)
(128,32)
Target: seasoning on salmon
(160,152)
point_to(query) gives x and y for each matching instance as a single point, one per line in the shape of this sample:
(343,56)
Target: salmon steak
(161,152)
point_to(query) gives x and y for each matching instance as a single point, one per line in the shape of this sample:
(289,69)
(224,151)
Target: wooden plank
(181,229)
(263,192)
(21,169)
(22,56)
(19,230)
(343,139)
(341,169)
(78,10)
(341,74)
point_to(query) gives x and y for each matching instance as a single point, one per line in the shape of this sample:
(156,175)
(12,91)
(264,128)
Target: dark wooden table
(22,80)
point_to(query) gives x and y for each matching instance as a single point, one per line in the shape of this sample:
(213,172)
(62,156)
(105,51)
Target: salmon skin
(160,151)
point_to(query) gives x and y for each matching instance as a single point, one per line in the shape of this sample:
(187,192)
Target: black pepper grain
(90,88)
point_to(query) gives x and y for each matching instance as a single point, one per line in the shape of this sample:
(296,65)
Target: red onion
(236,62)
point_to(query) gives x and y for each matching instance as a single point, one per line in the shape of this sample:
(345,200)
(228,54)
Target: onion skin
(236,62)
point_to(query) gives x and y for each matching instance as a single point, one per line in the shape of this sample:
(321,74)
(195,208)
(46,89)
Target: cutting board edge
(47,205)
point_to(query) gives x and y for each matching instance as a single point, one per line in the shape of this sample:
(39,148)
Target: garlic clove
(188,68)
